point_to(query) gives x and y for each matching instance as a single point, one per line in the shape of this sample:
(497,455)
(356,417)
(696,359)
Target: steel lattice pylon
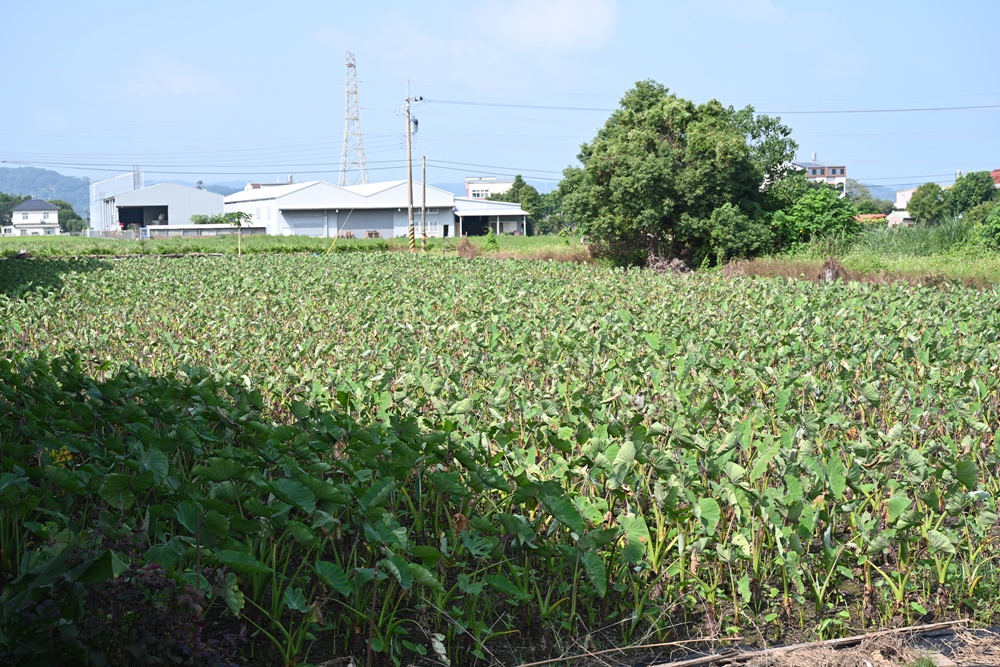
(352,155)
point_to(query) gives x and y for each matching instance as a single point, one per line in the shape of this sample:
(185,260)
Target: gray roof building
(35,205)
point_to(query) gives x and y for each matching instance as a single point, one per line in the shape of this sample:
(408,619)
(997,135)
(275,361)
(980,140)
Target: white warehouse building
(372,210)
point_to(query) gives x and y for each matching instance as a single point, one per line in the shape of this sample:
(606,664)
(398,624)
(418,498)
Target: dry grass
(812,269)
(465,249)
(886,651)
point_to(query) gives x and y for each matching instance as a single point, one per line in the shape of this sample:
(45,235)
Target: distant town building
(482,187)
(903,198)
(996,177)
(33,217)
(818,172)
(899,218)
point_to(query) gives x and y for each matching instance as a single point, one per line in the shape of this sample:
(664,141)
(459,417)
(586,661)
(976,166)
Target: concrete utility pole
(409,162)
(423,204)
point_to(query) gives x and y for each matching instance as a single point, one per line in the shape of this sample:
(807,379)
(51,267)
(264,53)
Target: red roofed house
(996,177)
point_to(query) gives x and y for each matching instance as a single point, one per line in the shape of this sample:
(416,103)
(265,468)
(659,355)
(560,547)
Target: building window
(24,216)
(258,213)
(50,231)
(480,194)
(45,216)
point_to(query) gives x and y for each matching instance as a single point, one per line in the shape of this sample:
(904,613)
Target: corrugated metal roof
(268,192)
(382,195)
(35,205)
(161,193)
(369,189)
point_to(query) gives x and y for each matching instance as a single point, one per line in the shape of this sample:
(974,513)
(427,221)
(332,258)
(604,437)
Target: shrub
(990,230)
(819,212)
(734,234)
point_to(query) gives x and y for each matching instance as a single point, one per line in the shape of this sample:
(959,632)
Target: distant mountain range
(882,192)
(46,184)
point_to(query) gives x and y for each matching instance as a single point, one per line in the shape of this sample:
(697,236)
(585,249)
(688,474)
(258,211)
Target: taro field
(423,460)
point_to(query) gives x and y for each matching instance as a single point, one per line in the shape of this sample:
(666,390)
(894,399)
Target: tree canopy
(970,190)
(661,166)
(69,219)
(7,204)
(524,194)
(929,204)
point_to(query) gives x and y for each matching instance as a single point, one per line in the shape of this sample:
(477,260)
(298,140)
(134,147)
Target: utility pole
(423,204)
(409,163)
(352,155)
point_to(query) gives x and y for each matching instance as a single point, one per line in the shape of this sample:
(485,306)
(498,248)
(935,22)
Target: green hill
(46,184)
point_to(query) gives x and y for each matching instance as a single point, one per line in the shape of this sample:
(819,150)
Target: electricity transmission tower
(352,155)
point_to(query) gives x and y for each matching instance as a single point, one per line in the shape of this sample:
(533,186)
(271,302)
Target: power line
(517,106)
(855,111)
(493,166)
(787,112)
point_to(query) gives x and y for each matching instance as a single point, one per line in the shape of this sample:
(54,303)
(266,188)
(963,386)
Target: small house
(33,217)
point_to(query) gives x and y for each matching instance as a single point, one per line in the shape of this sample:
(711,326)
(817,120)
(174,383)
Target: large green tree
(526,195)
(69,219)
(970,190)
(661,165)
(929,204)
(7,204)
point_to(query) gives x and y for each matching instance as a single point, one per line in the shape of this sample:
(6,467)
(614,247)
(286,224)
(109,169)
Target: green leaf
(636,537)
(102,567)
(295,600)
(117,491)
(217,469)
(156,462)
(967,473)
(240,561)
(506,586)
(399,569)
(377,493)
(897,504)
(596,571)
(296,493)
(871,394)
(333,575)
(563,510)
(837,476)
(939,542)
(622,465)
(424,577)
(708,511)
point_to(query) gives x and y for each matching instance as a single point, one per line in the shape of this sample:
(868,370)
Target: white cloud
(548,25)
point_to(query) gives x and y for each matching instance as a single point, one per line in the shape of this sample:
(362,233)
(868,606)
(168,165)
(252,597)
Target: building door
(306,223)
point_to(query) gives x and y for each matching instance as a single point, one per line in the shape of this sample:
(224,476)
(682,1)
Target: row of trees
(972,194)
(69,219)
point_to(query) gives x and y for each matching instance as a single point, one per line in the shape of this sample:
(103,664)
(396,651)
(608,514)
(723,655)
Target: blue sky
(227,91)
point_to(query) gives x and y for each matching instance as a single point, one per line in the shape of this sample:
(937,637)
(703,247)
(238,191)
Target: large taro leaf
(332,575)
(636,536)
(596,571)
(240,561)
(558,504)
